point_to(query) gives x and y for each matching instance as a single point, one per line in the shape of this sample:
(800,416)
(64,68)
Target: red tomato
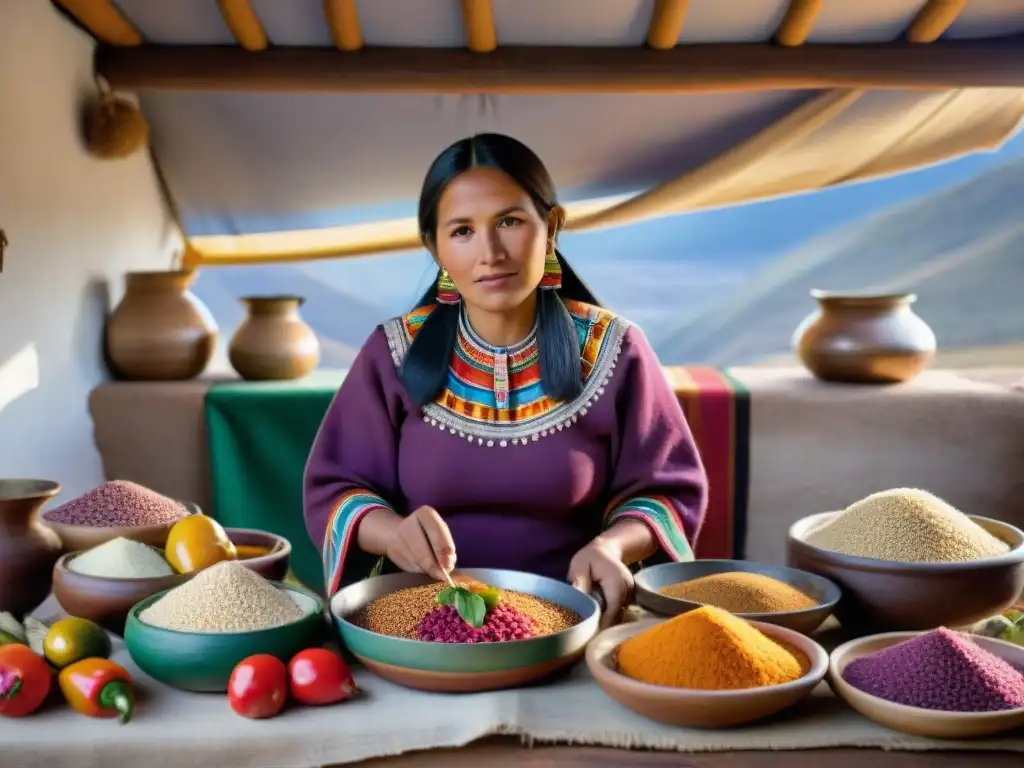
(258,686)
(25,680)
(320,676)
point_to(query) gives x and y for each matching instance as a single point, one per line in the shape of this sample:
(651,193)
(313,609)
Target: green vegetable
(471,607)
(13,628)
(36,633)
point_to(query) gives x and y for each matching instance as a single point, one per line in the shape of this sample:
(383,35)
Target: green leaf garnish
(471,607)
(447,596)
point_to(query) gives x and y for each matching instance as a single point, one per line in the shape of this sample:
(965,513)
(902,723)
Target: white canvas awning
(299,148)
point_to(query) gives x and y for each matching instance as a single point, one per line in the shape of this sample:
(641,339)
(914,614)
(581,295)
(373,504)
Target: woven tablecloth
(174,729)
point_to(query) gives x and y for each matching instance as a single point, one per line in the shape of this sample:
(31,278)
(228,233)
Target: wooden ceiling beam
(478,21)
(798,22)
(542,70)
(666,24)
(102,20)
(934,19)
(244,24)
(343,20)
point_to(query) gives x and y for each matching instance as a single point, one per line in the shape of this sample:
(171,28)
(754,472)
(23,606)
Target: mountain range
(707,294)
(961,250)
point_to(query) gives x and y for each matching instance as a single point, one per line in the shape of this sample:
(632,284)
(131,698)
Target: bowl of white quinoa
(907,560)
(190,637)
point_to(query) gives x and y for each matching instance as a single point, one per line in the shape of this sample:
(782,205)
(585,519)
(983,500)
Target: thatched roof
(289,130)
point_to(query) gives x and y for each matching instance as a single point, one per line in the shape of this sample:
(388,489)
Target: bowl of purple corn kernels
(116,509)
(941,683)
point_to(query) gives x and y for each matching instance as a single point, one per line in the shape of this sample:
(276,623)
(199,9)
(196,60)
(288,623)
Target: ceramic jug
(28,548)
(864,338)
(274,342)
(160,331)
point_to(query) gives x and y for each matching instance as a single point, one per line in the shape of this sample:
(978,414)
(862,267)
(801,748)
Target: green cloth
(260,435)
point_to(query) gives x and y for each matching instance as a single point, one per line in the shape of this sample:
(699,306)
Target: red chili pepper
(320,676)
(98,688)
(258,686)
(25,680)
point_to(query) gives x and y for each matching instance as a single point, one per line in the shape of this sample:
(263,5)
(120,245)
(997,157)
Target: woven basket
(114,127)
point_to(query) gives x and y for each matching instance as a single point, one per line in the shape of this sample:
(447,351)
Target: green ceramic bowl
(420,664)
(202,662)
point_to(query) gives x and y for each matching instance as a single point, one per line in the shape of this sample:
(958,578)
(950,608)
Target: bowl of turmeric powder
(773,594)
(705,668)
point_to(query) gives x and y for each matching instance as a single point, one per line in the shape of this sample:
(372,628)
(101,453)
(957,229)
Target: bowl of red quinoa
(116,509)
(940,684)
(394,625)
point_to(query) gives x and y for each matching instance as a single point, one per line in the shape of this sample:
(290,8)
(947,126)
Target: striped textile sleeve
(662,517)
(340,538)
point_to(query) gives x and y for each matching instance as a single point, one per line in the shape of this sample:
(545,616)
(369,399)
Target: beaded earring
(552,278)
(447,291)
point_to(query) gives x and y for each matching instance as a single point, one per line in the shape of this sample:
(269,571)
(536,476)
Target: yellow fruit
(73,639)
(197,542)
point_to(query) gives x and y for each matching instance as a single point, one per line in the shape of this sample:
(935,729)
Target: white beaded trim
(525,432)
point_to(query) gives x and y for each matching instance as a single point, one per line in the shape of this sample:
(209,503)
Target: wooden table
(501,752)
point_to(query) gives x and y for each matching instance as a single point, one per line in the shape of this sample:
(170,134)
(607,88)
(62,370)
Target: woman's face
(491,239)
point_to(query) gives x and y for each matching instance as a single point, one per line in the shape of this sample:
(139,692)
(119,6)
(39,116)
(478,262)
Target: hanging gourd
(114,126)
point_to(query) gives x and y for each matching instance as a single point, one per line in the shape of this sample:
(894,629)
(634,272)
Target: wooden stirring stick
(447,576)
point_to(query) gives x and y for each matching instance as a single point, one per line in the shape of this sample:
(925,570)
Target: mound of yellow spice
(708,649)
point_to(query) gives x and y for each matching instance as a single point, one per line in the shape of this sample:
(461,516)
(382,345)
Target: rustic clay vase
(28,548)
(160,331)
(864,338)
(274,342)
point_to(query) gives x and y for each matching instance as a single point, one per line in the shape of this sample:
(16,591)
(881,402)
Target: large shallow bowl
(696,708)
(650,580)
(885,595)
(272,566)
(466,667)
(923,722)
(78,538)
(105,600)
(203,661)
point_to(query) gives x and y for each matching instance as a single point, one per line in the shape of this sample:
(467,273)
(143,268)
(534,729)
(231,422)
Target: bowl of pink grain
(116,509)
(941,684)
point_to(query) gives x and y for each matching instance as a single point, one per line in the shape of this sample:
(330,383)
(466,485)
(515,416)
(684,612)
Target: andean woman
(507,420)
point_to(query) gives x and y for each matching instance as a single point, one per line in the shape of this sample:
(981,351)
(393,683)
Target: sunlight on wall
(19,375)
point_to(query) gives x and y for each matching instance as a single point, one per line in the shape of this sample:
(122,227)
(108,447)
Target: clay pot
(274,342)
(160,331)
(28,548)
(864,338)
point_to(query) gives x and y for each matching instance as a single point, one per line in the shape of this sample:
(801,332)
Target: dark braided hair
(425,369)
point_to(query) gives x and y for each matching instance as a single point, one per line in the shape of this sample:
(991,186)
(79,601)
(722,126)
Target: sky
(716,247)
(780,224)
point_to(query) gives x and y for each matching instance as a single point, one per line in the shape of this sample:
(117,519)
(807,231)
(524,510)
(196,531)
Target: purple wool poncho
(940,670)
(522,481)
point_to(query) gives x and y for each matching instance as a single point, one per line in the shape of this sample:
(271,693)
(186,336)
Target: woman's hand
(600,563)
(422,543)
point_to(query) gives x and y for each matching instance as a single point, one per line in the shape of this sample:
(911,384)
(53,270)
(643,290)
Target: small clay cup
(104,600)
(272,566)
